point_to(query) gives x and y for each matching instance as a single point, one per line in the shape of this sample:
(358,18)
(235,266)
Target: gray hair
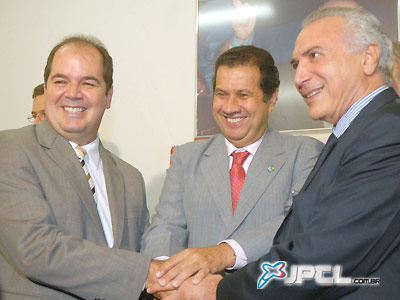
(364,30)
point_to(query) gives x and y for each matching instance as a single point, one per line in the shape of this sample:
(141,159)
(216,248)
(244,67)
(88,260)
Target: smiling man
(229,194)
(347,215)
(72,214)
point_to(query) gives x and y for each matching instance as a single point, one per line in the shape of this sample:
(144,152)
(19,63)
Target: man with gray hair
(345,222)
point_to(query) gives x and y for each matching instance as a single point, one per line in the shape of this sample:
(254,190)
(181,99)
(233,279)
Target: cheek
(217,104)
(54,95)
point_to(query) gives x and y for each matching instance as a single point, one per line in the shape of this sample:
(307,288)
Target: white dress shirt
(241,258)
(95,167)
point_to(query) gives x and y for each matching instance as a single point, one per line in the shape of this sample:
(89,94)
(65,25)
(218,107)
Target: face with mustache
(239,108)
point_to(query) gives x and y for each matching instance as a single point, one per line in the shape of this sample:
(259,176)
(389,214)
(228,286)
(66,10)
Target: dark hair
(38,90)
(89,41)
(252,56)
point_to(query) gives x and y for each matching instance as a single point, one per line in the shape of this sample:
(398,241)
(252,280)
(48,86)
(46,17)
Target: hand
(198,261)
(206,290)
(163,295)
(152,281)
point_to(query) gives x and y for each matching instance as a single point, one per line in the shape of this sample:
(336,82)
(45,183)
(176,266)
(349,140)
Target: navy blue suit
(345,207)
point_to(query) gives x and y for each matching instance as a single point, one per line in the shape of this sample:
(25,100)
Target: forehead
(243,73)
(38,103)
(326,32)
(77,54)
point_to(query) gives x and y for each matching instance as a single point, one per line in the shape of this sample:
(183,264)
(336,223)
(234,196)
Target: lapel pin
(271,168)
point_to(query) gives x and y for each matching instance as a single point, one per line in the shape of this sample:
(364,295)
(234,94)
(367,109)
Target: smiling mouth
(74,110)
(234,120)
(313,93)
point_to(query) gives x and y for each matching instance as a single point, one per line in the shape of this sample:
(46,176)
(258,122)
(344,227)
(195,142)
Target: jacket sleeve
(32,243)
(168,232)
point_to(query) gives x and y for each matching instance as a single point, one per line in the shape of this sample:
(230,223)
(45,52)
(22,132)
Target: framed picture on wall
(274,26)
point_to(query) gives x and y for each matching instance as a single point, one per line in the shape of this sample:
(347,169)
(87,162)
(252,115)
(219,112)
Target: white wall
(153,44)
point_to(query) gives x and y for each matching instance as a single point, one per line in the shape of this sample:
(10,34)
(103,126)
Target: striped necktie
(80,152)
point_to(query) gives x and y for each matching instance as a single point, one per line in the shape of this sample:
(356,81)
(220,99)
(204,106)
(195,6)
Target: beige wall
(153,44)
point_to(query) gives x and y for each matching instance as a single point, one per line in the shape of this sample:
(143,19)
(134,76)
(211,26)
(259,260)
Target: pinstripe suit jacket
(195,207)
(52,244)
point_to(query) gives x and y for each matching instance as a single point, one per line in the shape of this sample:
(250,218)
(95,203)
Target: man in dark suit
(348,211)
(70,227)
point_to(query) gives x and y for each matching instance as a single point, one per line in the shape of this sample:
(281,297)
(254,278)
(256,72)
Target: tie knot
(239,157)
(80,152)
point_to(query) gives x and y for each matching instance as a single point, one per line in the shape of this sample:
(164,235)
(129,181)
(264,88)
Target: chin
(315,115)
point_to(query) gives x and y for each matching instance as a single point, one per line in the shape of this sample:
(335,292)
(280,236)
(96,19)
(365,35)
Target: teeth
(313,93)
(230,120)
(73,109)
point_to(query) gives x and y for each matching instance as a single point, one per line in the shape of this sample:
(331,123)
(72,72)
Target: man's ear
(371,58)
(109,97)
(273,100)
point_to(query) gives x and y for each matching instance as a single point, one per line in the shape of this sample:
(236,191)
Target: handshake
(190,272)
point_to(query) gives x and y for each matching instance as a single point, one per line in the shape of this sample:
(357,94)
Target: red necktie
(237,176)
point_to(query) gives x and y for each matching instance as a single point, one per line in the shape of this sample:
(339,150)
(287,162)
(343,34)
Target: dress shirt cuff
(163,257)
(241,258)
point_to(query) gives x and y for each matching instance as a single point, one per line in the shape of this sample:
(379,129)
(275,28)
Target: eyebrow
(305,53)
(92,78)
(84,78)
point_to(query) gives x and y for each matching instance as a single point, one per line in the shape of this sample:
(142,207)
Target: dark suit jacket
(52,244)
(341,213)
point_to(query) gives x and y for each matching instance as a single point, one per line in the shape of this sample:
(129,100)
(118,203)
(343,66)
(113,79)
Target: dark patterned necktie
(80,152)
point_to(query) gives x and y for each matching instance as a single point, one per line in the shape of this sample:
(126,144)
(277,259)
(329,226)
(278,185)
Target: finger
(200,271)
(172,262)
(162,295)
(154,287)
(179,273)
(199,276)
(184,269)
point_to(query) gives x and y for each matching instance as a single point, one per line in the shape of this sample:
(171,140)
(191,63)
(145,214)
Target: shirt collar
(92,150)
(354,111)
(252,148)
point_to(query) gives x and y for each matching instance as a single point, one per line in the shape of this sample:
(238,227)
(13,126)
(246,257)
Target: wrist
(229,254)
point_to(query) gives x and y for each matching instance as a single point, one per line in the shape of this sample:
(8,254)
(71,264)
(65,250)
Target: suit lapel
(331,143)
(60,151)
(266,164)
(215,171)
(116,193)
(358,124)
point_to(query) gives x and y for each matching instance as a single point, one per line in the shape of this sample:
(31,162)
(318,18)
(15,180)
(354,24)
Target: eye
(89,84)
(220,94)
(314,54)
(60,82)
(294,64)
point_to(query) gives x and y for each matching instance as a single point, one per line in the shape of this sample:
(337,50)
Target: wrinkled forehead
(321,32)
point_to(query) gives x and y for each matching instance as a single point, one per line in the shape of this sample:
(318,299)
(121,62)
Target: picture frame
(274,26)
